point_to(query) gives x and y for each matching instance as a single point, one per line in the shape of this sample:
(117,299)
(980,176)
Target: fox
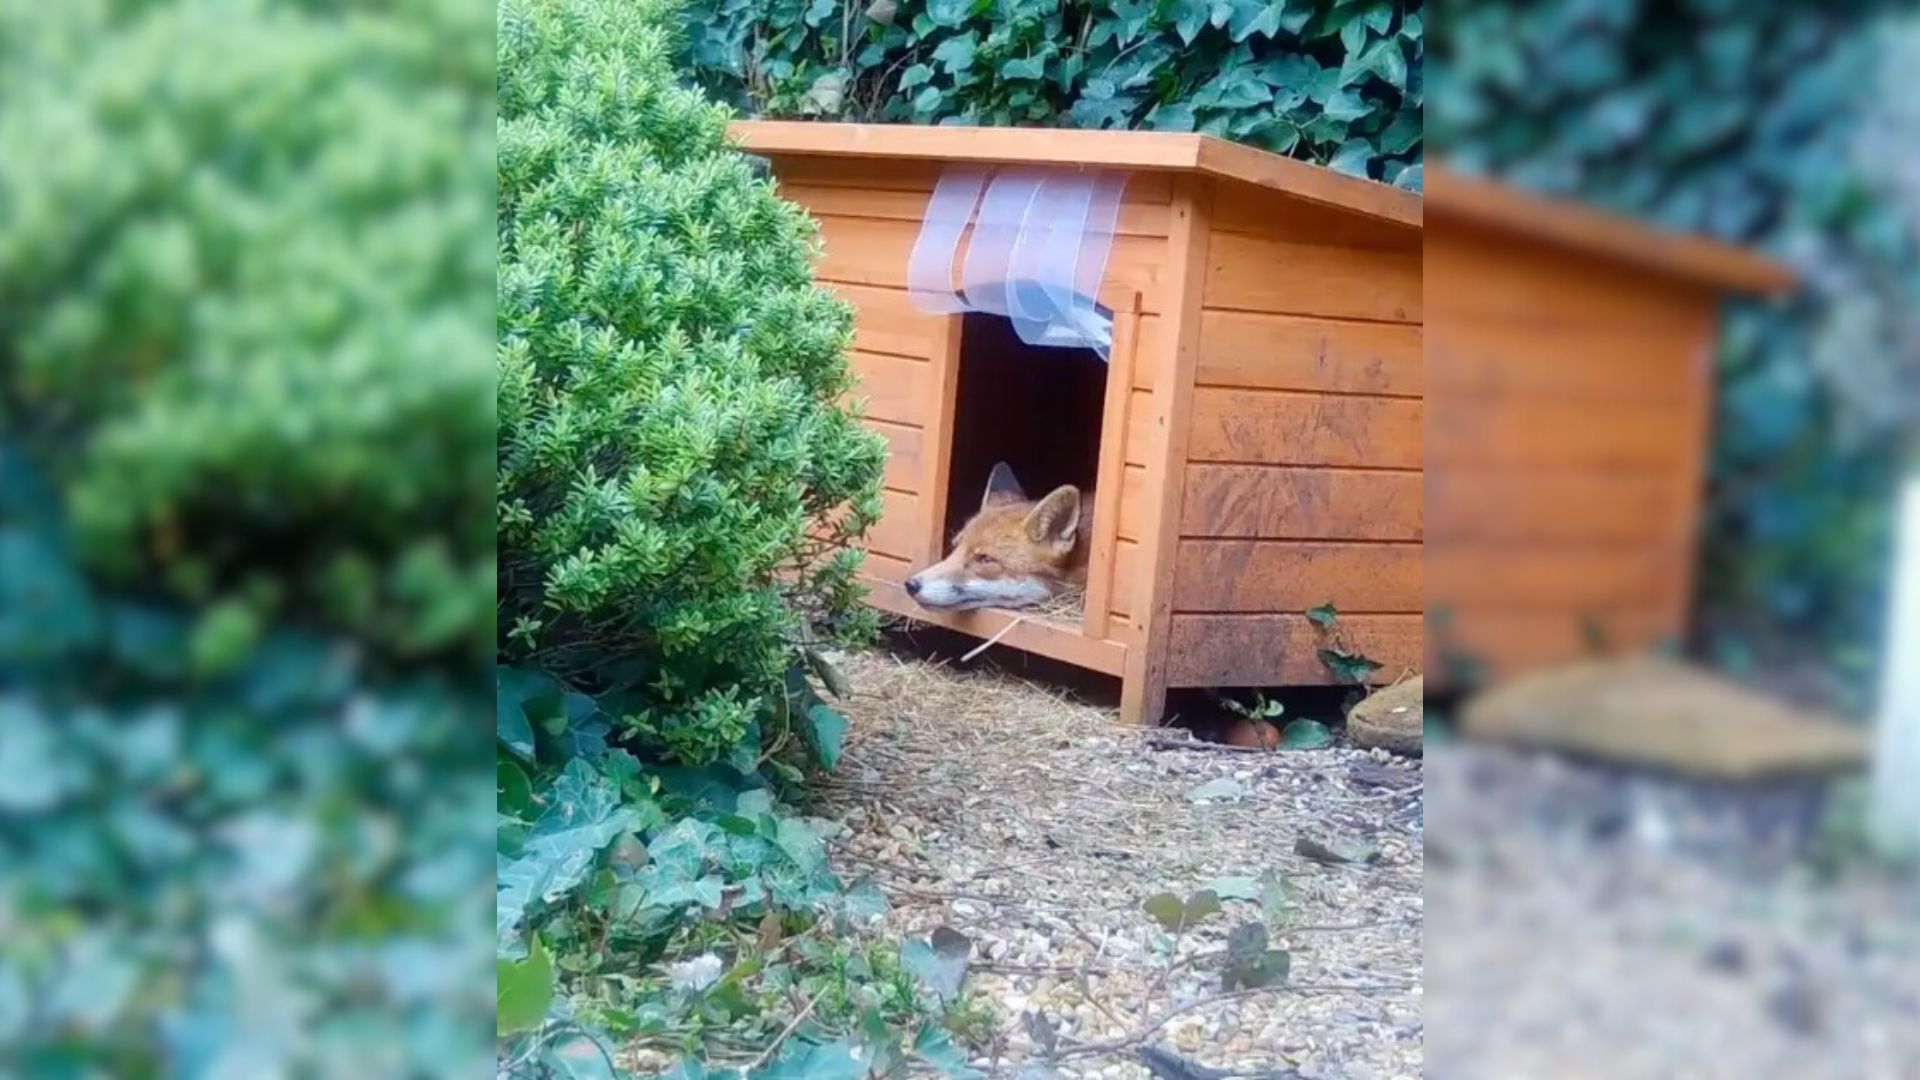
(1015,552)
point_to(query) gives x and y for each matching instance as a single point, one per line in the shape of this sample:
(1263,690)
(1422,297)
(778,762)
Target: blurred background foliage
(1784,126)
(1336,82)
(245,547)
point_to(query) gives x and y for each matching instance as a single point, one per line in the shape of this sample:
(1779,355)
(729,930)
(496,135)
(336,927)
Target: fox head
(1013,553)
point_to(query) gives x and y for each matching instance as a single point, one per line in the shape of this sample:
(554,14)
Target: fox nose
(913,586)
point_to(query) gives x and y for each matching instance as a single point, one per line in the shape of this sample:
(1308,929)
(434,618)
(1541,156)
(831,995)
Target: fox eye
(981,558)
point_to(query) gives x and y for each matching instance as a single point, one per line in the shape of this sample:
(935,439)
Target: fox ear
(1002,487)
(1055,519)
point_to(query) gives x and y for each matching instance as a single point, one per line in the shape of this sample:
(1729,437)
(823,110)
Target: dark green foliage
(1331,81)
(1767,124)
(244,545)
(213,247)
(673,468)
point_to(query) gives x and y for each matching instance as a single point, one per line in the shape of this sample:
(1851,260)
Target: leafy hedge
(242,388)
(1762,124)
(1331,81)
(671,445)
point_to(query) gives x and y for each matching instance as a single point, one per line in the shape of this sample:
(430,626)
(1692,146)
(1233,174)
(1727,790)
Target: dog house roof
(1449,196)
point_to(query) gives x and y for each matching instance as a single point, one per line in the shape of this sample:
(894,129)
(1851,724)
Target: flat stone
(1391,719)
(1663,714)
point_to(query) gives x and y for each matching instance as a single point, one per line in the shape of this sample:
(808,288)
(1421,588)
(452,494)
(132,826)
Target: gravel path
(1037,827)
(1595,923)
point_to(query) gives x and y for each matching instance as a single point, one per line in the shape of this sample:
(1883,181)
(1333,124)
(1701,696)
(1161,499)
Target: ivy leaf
(826,730)
(949,12)
(1030,67)
(1385,60)
(1353,35)
(1352,157)
(1410,178)
(1252,17)
(522,990)
(936,1048)
(1171,118)
(512,689)
(955,54)
(1178,915)
(1348,666)
(1305,735)
(1189,17)
(1323,616)
(914,76)
(939,962)
(1346,105)
(800,1060)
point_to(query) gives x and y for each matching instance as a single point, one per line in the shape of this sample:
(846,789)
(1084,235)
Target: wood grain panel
(1284,650)
(1288,352)
(1505,643)
(885,321)
(1251,274)
(904,468)
(900,528)
(1139,428)
(1472,361)
(1465,504)
(866,251)
(1553,435)
(1481,276)
(1301,503)
(1243,208)
(1126,573)
(1136,517)
(1555,578)
(895,389)
(1279,575)
(1287,428)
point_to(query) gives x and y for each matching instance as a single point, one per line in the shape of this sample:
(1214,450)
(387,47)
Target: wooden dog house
(1253,439)
(1569,376)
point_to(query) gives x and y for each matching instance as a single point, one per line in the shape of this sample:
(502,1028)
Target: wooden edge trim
(1144,689)
(1567,224)
(1112,471)
(1158,150)
(936,447)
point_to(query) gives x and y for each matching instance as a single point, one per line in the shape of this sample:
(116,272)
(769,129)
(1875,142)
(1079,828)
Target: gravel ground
(1036,826)
(1594,923)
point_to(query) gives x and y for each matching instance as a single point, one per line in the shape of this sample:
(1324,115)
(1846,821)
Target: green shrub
(1332,81)
(214,249)
(673,467)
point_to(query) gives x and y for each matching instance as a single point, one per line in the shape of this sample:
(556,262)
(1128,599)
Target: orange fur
(1015,552)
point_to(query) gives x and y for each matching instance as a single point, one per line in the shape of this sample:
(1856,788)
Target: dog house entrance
(1037,408)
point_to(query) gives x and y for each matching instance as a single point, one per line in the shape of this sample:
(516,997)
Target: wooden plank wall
(1565,439)
(1302,482)
(869,213)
